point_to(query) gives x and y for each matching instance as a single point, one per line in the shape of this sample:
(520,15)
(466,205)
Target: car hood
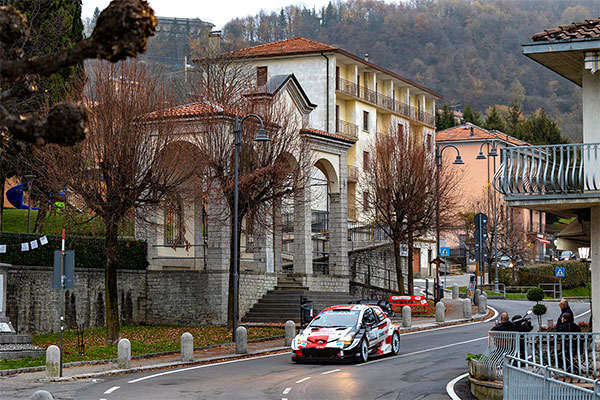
(327,334)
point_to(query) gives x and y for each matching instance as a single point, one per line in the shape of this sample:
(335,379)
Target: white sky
(219,12)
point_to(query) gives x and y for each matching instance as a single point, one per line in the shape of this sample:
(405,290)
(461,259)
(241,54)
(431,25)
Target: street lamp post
(438,163)
(29,179)
(493,153)
(237,141)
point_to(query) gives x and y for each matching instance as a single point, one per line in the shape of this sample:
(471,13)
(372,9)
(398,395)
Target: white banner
(25,246)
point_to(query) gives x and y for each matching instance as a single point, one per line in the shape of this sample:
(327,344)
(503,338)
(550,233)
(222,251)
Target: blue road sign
(445,251)
(559,272)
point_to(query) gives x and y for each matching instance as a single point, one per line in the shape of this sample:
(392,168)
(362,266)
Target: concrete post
(338,220)
(303,248)
(241,340)
(290,332)
(187,347)
(52,362)
(476,296)
(42,395)
(440,309)
(124,354)
(406,317)
(467,309)
(455,291)
(482,305)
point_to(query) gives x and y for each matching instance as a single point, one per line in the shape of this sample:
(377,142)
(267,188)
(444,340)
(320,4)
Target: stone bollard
(124,354)
(482,305)
(52,362)
(467,310)
(42,395)
(241,340)
(455,291)
(406,317)
(440,309)
(187,347)
(476,296)
(290,332)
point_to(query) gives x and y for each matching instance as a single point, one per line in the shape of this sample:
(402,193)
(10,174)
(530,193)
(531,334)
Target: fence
(492,286)
(383,278)
(526,380)
(569,352)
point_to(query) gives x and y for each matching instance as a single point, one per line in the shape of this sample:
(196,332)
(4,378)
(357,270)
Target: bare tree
(401,187)
(131,160)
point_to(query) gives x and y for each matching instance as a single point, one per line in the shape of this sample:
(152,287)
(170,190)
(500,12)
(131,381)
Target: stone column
(277,236)
(199,249)
(303,248)
(338,223)
(263,243)
(217,257)
(595,265)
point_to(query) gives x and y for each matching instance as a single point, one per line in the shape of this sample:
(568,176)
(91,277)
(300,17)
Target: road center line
(112,389)
(330,372)
(423,351)
(303,379)
(287,390)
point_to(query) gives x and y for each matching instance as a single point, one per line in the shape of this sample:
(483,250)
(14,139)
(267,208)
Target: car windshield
(334,318)
(566,253)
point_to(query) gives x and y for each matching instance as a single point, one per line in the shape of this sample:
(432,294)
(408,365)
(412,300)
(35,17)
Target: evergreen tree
(540,129)
(472,116)
(513,118)
(494,121)
(444,119)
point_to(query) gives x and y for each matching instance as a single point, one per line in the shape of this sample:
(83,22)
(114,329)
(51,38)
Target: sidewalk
(19,378)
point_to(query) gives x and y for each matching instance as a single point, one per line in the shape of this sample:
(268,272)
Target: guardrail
(492,286)
(563,169)
(569,352)
(526,380)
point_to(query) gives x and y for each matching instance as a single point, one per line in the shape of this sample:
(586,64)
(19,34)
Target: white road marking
(450,386)
(202,366)
(330,372)
(284,398)
(287,390)
(112,389)
(423,351)
(102,399)
(303,379)
(582,314)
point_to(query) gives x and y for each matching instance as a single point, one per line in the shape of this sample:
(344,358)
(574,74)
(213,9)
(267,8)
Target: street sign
(481,255)
(403,250)
(480,231)
(559,272)
(69,269)
(445,251)
(480,220)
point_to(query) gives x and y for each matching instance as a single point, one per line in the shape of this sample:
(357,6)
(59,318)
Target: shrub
(89,252)
(535,294)
(539,309)
(576,274)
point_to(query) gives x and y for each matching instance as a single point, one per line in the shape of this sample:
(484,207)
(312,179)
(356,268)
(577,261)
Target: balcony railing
(552,170)
(346,128)
(384,101)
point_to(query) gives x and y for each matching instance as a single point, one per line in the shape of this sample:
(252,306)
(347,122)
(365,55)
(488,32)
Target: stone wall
(327,283)
(253,286)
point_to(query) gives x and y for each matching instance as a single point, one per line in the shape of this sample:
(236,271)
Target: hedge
(576,275)
(89,252)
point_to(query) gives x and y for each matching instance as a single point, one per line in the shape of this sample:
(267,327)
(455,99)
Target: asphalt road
(427,361)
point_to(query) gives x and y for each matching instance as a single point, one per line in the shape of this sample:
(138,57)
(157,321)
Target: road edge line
(450,386)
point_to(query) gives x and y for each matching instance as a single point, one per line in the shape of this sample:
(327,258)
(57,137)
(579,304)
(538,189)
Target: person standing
(564,308)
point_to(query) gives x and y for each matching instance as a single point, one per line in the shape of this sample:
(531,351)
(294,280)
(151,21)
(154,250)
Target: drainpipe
(327,93)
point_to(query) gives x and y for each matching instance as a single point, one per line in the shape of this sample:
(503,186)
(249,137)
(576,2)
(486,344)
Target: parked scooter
(523,323)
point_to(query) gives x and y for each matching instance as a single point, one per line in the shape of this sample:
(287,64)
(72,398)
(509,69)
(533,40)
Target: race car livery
(347,332)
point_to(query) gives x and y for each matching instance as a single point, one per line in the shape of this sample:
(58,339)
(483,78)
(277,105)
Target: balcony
(563,176)
(346,129)
(352,173)
(378,99)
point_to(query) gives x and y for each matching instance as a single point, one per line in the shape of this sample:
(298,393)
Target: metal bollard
(455,291)
(406,317)
(124,354)
(241,340)
(53,362)
(187,347)
(467,309)
(290,332)
(440,309)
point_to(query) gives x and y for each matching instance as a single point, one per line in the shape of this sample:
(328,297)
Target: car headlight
(510,265)
(301,338)
(348,339)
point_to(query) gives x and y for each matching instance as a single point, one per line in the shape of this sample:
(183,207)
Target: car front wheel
(363,356)
(395,343)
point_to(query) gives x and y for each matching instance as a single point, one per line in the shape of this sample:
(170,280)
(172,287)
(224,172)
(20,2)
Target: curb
(450,386)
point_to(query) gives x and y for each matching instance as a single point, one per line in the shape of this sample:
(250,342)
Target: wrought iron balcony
(381,100)
(347,129)
(552,171)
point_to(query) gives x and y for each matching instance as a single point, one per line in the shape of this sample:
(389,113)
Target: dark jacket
(559,320)
(507,326)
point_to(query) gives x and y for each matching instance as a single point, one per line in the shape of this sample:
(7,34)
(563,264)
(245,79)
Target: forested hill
(469,51)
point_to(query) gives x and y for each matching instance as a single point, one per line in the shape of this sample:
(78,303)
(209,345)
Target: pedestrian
(564,308)
(505,324)
(567,324)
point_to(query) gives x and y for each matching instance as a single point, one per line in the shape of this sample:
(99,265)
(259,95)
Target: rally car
(347,332)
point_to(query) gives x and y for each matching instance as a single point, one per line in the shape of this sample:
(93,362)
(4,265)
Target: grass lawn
(144,340)
(576,292)
(15,221)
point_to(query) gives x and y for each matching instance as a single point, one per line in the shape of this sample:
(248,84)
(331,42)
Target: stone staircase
(283,302)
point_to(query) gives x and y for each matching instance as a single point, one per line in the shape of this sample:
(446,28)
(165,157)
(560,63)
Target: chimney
(366,56)
(214,42)
(472,134)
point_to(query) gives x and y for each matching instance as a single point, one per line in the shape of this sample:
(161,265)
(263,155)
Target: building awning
(542,240)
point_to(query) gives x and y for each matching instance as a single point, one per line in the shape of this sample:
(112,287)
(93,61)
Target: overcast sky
(219,12)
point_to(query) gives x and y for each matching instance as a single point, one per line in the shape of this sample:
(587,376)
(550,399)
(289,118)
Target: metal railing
(352,89)
(569,352)
(526,380)
(374,276)
(346,128)
(564,169)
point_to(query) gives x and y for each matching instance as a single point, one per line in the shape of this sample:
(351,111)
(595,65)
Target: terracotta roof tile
(319,132)
(292,46)
(463,133)
(590,28)
(192,110)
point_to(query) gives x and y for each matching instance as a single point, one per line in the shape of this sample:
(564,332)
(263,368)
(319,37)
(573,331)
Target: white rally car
(347,332)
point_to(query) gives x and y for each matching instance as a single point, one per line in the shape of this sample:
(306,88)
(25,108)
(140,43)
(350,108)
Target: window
(261,76)
(337,78)
(365,120)
(366,201)
(530,220)
(379,314)
(174,234)
(365,160)
(368,317)
(429,142)
(401,129)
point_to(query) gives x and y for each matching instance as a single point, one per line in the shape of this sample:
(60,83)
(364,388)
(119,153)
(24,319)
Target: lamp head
(480,156)
(493,152)
(261,136)
(458,160)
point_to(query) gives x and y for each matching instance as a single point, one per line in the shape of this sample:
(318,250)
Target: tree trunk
(113,327)
(3,183)
(397,258)
(40,220)
(411,282)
